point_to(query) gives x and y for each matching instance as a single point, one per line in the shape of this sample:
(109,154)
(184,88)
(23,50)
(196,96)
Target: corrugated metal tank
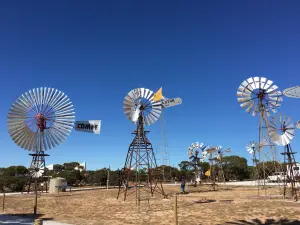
(58,181)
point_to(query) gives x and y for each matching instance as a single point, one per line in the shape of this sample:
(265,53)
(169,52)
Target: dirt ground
(230,205)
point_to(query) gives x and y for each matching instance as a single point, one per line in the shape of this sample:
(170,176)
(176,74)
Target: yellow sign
(158,95)
(207,173)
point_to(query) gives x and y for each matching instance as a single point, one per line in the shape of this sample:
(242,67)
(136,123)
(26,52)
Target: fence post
(3,203)
(175,210)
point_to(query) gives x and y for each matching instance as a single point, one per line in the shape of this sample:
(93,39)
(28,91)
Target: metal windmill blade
(292,92)
(193,152)
(281,130)
(228,150)
(140,100)
(219,148)
(204,154)
(40,119)
(254,91)
(298,124)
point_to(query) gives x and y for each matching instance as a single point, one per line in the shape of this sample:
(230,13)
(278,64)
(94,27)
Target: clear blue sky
(96,52)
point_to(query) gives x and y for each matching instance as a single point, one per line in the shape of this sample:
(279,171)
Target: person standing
(182,184)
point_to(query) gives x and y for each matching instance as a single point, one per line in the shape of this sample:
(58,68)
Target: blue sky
(98,51)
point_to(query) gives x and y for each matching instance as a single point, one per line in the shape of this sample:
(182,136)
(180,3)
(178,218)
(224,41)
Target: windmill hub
(283,129)
(261,94)
(41,121)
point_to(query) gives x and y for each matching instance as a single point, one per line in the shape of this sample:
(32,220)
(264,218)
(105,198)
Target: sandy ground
(201,206)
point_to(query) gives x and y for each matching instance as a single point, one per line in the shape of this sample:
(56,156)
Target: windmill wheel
(140,100)
(194,151)
(36,171)
(40,119)
(281,130)
(258,93)
(251,148)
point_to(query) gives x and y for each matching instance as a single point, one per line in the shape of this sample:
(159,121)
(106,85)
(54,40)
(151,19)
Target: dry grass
(204,207)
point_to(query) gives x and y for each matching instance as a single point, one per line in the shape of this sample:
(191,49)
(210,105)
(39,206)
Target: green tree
(184,165)
(235,168)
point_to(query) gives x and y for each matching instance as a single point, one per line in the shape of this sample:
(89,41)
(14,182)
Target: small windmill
(252,149)
(282,132)
(209,154)
(193,152)
(142,107)
(219,156)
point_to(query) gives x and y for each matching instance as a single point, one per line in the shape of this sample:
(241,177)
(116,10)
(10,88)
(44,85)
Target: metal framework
(260,96)
(163,145)
(140,174)
(38,173)
(291,164)
(212,170)
(282,132)
(218,159)
(221,176)
(267,151)
(252,149)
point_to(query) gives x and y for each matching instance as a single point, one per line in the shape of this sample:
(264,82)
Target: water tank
(58,181)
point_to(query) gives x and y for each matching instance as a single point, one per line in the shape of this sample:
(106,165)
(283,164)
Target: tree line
(13,178)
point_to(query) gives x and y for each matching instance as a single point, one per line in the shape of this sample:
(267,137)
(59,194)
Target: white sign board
(90,126)
(171,102)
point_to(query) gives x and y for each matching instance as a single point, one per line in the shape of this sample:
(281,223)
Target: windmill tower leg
(292,160)
(221,176)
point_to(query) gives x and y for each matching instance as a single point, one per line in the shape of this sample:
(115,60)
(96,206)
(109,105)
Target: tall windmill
(39,120)
(282,132)
(140,174)
(259,96)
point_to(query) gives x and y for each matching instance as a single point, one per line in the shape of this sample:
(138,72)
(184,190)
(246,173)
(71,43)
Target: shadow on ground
(20,219)
(267,222)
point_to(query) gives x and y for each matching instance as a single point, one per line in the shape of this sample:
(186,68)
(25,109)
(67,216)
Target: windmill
(193,152)
(39,120)
(252,149)
(282,132)
(259,96)
(218,157)
(142,107)
(209,153)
